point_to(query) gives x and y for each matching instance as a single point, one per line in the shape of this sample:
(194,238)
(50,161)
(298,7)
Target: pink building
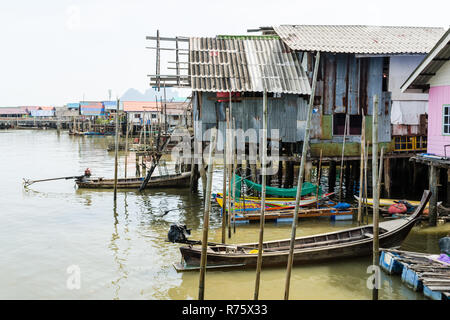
(433,76)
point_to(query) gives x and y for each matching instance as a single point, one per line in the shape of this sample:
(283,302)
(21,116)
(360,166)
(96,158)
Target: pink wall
(436,140)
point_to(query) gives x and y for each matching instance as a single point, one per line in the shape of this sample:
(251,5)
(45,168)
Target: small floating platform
(422,272)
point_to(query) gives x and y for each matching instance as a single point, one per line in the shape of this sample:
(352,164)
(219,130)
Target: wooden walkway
(422,272)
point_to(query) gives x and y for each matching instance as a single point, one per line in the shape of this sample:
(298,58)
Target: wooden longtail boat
(167,181)
(388,202)
(254,203)
(353,242)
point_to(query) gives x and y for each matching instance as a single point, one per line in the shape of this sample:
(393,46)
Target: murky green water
(121,252)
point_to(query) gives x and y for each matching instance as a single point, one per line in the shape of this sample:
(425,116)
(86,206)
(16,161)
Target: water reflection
(122,250)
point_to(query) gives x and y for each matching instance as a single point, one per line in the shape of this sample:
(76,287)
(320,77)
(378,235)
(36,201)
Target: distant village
(138,113)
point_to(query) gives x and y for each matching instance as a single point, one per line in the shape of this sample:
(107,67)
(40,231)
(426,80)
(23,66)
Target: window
(446,119)
(354,125)
(410,143)
(137,115)
(153,115)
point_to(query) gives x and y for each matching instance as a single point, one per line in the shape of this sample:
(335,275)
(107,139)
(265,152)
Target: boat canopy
(307,188)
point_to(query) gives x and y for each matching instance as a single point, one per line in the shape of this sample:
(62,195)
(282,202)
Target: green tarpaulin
(307,188)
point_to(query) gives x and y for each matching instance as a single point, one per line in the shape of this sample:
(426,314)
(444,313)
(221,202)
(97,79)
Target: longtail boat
(254,203)
(388,202)
(353,242)
(166,181)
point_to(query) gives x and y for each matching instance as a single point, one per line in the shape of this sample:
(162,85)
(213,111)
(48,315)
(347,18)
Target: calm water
(121,252)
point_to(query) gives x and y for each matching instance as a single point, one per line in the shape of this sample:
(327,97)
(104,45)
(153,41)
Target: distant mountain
(150,94)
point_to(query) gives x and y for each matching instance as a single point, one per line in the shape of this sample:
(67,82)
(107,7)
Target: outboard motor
(178,233)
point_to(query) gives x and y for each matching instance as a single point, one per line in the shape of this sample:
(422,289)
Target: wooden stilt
(434,176)
(224,188)
(387,177)
(375,188)
(263,198)
(361,169)
(201,286)
(332,176)
(116,151)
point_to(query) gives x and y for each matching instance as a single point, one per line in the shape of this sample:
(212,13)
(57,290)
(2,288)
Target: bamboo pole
(361,168)
(375,189)
(201,286)
(342,157)
(116,151)
(300,179)
(263,198)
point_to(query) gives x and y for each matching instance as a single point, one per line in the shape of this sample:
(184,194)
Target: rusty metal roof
(436,58)
(240,63)
(360,39)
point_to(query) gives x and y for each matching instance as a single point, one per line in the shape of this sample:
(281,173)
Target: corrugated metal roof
(359,39)
(13,110)
(152,106)
(224,64)
(438,55)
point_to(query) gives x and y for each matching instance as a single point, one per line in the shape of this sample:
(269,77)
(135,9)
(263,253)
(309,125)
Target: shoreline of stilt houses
(230,72)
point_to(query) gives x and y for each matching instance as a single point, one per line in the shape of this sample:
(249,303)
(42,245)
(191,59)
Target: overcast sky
(57,51)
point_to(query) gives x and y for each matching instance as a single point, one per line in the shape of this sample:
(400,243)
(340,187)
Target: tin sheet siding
(285,114)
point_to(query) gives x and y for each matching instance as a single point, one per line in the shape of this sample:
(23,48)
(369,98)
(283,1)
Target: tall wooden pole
(224,187)
(318,179)
(126,146)
(228,115)
(201,286)
(342,157)
(233,149)
(380,172)
(361,168)
(376,197)
(300,179)
(116,151)
(263,198)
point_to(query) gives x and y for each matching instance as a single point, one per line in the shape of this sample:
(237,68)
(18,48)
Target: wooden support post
(300,179)
(387,177)
(224,188)
(126,146)
(116,151)
(366,161)
(319,167)
(138,170)
(342,158)
(263,198)
(361,169)
(201,286)
(434,176)
(280,174)
(332,176)
(376,198)
(308,168)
